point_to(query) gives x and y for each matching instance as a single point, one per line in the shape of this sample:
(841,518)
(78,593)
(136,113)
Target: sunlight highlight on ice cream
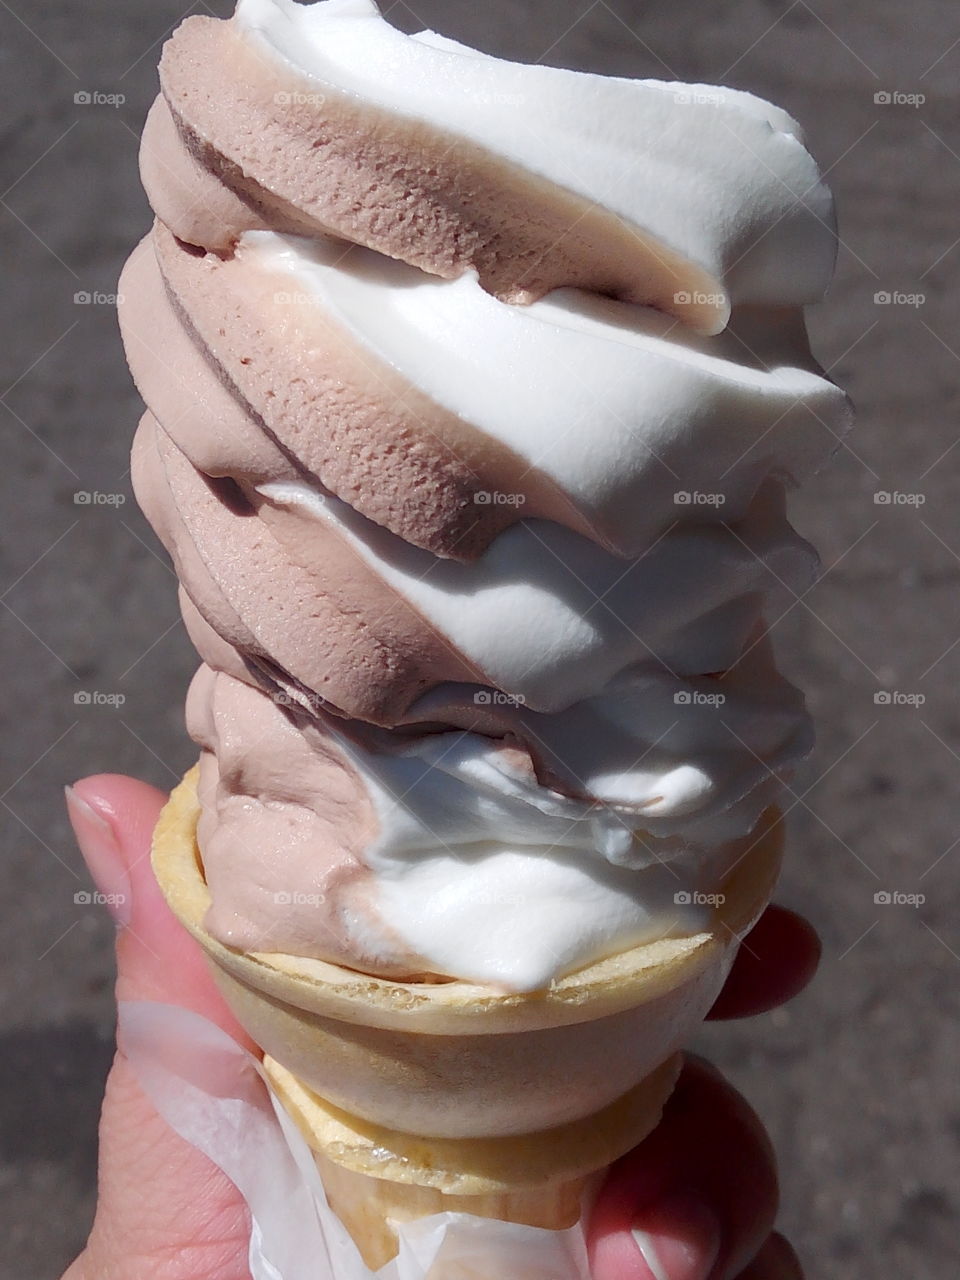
(473,394)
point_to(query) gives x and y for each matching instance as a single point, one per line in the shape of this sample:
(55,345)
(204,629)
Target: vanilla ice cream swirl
(473,391)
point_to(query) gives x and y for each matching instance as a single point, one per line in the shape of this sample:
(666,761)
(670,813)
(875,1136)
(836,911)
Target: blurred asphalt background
(858,1079)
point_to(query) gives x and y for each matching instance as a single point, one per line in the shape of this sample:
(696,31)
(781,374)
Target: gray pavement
(858,1079)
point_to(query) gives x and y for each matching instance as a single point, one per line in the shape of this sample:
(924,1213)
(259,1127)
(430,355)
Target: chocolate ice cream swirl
(470,451)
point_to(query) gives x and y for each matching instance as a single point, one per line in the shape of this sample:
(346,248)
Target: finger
(696,1199)
(164,1209)
(775,1261)
(114,818)
(775,962)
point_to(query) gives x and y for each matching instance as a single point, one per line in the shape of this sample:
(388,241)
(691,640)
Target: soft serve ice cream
(473,390)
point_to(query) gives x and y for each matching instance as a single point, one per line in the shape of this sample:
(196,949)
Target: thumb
(113,819)
(164,1209)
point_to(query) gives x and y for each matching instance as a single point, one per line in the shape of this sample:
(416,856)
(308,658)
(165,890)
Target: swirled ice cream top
(757,220)
(473,390)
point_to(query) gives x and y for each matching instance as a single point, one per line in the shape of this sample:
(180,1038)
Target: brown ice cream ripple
(345,419)
(243,119)
(345,635)
(209,423)
(277,850)
(287,819)
(307,614)
(306,646)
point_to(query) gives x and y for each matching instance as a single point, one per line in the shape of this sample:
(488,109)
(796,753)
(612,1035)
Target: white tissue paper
(212,1093)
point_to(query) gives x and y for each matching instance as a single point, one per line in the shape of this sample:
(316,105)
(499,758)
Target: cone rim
(635,976)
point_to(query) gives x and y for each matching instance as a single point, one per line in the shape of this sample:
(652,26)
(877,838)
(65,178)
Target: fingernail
(678,1239)
(101,853)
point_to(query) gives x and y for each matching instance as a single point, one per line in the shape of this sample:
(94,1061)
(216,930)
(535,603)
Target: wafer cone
(376,1178)
(419,1097)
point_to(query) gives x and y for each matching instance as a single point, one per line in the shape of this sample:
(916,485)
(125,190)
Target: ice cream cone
(473,471)
(375,1177)
(423,1096)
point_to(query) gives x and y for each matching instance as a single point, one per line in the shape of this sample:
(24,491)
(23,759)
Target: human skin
(701,1191)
